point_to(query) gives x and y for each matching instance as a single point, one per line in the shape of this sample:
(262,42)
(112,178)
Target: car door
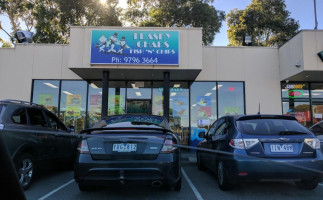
(216,142)
(46,137)
(204,155)
(64,142)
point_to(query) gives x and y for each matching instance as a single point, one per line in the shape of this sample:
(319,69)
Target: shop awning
(137,74)
(307,76)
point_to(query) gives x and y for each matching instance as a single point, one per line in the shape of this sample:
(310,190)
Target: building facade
(106,71)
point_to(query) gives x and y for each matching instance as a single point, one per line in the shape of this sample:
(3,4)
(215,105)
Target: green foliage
(6,44)
(267,21)
(54,18)
(176,13)
(51,19)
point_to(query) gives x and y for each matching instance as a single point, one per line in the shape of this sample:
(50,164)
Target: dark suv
(34,137)
(261,147)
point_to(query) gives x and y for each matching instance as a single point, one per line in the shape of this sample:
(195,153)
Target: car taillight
(82,147)
(168,146)
(243,143)
(313,142)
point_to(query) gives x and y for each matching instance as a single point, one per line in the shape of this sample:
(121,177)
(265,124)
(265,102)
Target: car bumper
(166,169)
(277,169)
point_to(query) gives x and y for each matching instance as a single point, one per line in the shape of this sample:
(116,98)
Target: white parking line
(197,194)
(52,192)
(321,184)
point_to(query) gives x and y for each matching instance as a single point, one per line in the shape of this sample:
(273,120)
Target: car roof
(22,103)
(261,116)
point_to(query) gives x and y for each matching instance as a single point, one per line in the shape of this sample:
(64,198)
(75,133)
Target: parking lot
(196,185)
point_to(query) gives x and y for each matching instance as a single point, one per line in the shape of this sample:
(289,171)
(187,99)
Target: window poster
(95,104)
(116,105)
(73,105)
(203,104)
(179,105)
(46,100)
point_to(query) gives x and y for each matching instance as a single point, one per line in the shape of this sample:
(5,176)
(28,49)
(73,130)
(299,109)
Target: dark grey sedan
(129,149)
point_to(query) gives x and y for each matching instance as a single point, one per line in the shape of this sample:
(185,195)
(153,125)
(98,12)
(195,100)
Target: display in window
(73,105)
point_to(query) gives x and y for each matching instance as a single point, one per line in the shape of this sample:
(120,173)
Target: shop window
(203,108)
(139,90)
(45,92)
(94,103)
(300,110)
(317,90)
(117,98)
(295,90)
(157,101)
(73,104)
(231,98)
(179,110)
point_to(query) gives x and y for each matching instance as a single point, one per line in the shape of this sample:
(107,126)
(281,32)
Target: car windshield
(133,120)
(271,127)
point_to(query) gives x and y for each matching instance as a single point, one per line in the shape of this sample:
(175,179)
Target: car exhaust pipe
(156,183)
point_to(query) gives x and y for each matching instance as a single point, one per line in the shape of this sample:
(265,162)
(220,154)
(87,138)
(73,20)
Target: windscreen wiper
(292,133)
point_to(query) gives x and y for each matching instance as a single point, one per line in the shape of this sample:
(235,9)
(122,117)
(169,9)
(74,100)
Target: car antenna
(258,109)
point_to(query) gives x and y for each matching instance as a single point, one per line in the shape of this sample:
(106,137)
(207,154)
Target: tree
(267,21)
(179,13)
(51,19)
(6,44)
(54,18)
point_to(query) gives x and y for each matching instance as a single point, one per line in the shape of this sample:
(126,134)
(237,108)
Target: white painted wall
(258,67)
(20,65)
(301,50)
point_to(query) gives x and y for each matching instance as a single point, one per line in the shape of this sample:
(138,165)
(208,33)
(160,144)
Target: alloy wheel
(25,171)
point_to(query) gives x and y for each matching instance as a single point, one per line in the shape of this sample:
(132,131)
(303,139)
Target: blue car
(261,147)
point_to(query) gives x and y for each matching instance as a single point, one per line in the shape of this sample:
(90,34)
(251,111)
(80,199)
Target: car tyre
(25,166)
(307,184)
(222,177)
(176,186)
(200,166)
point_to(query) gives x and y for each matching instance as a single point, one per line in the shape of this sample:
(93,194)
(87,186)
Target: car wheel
(176,186)
(25,166)
(222,177)
(200,166)
(84,187)
(307,184)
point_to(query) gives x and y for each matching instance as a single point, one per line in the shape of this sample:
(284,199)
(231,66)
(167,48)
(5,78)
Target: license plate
(124,147)
(281,148)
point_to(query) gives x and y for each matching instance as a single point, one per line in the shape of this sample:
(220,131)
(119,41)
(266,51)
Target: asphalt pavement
(196,184)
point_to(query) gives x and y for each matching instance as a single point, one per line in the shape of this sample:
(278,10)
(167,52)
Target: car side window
(19,116)
(54,122)
(36,117)
(221,129)
(212,129)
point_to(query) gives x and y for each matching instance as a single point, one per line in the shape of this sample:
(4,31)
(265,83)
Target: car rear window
(135,120)
(270,126)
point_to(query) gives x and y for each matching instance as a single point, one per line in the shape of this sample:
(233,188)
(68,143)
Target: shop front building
(108,71)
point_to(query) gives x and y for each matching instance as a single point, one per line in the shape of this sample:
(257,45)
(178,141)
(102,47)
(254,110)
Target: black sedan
(129,149)
(261,147)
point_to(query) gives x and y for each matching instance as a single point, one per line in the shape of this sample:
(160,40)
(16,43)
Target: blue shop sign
(135,47)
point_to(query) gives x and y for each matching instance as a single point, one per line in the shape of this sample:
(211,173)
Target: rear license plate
(124,147)
(281,148)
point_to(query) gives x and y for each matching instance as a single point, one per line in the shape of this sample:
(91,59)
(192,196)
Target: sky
(301,10)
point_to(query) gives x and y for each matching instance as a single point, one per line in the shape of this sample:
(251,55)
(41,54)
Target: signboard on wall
(135,47)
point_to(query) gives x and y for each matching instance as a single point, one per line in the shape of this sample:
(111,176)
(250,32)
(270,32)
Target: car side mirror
(71,129)
(202,134)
